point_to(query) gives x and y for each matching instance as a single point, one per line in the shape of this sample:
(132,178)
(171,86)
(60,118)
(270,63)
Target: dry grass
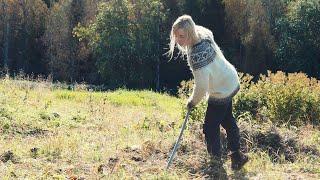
(53,133)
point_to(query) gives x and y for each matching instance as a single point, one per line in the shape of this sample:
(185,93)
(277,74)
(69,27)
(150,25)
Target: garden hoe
(178,140)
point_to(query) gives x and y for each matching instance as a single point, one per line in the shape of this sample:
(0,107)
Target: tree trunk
(6,44)
(158,52)
(24,55)
(6,35)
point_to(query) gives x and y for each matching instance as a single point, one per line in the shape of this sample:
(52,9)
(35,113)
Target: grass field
(53,133)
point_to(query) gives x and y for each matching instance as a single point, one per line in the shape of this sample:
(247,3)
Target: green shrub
(291,99)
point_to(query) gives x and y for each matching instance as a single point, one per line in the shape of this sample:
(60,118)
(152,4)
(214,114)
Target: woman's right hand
(190,105)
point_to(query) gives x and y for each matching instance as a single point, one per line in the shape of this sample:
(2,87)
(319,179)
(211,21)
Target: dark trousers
(216,115)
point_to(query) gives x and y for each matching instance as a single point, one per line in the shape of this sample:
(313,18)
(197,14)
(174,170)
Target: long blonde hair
(186,23)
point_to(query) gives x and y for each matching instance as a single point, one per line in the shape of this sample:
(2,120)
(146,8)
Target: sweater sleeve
(201,78)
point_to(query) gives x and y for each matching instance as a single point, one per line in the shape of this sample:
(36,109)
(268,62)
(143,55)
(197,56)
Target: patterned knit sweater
(214,76)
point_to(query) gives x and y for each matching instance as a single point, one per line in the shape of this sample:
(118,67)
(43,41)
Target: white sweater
(214,76)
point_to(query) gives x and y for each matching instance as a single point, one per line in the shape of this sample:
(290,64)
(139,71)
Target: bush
(291,99)
(288,99)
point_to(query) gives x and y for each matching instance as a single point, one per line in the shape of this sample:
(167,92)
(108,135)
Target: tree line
(121,43)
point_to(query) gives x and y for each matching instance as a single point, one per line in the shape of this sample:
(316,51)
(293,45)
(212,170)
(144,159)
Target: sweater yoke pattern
(202,54)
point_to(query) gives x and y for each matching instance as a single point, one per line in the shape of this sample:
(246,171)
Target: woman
(215,78)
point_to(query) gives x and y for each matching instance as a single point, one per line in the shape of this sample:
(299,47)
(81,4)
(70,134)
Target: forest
(121,43)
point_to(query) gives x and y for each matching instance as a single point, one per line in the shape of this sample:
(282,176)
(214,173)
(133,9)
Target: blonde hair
(186,23)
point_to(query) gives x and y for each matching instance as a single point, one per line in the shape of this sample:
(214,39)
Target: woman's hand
(190,105)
